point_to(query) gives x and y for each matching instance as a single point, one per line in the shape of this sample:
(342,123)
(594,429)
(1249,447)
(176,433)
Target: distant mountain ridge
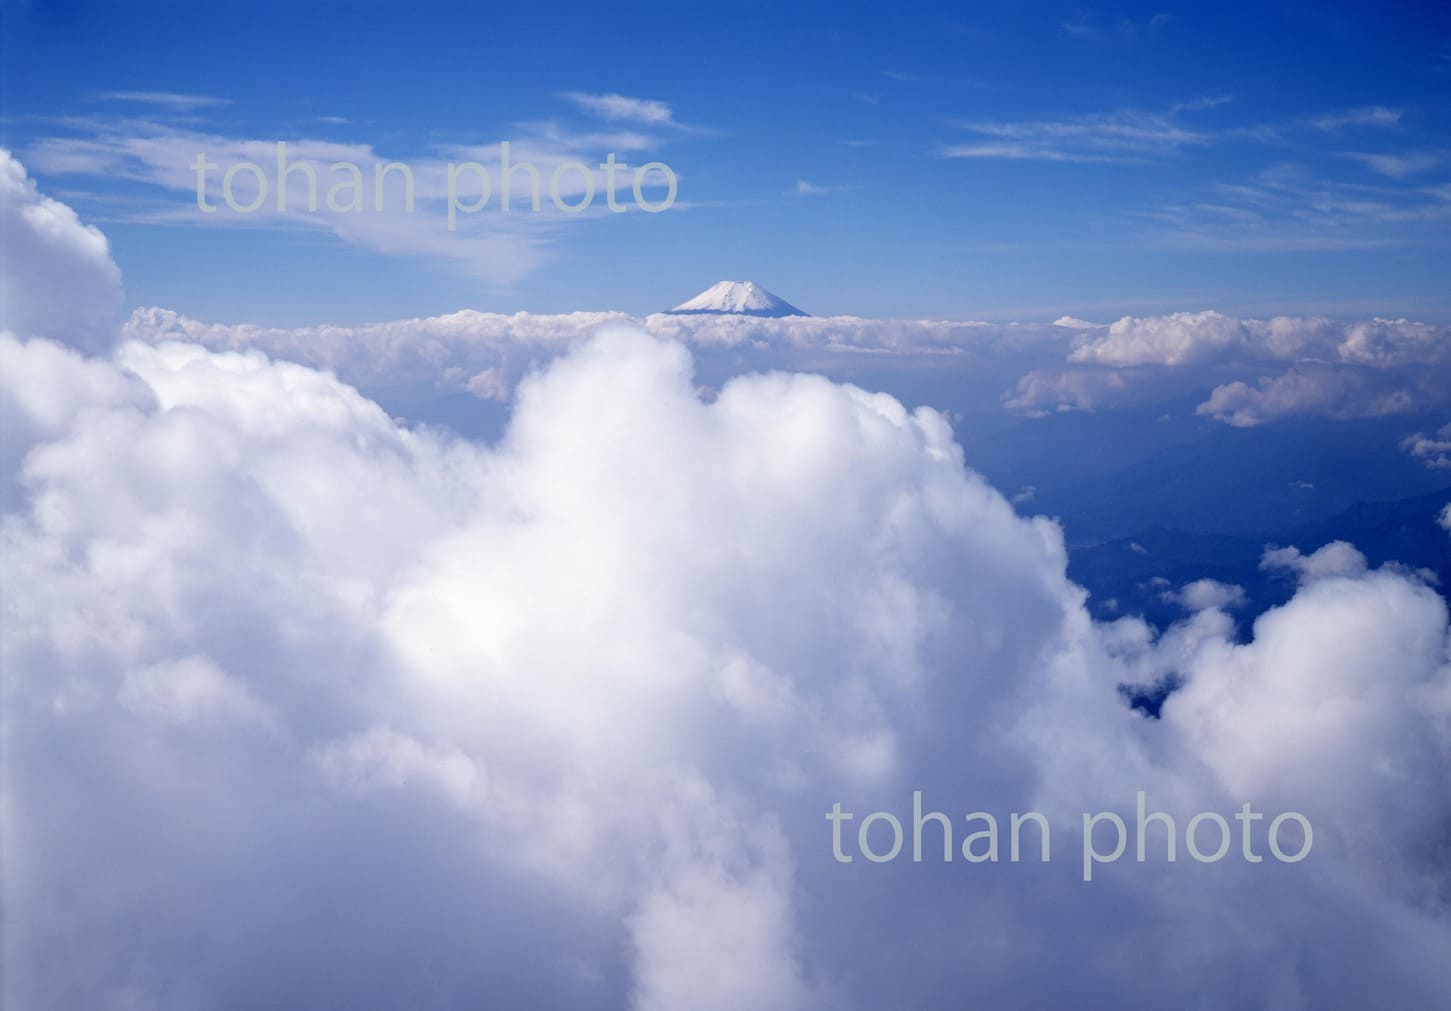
(1134,572)
(741,298)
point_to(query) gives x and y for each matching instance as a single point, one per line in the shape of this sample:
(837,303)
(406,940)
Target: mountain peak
(745,298)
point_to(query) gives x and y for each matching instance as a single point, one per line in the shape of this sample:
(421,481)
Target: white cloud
(1344,672)
(1434,449)
(1371,115)
(46,388)
(166,99)
(498,247)
(1045,390)
(383,759)
(1199,338)
(803,188)
(1387,342)
(1203,594)
(1331,392)
(1397,166)
(57,279)
(649,111)
(1108,137)
(1445,518)
(1341,370)
(1291,207)
(1336,559)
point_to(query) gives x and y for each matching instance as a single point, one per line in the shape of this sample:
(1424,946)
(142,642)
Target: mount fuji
(743,298)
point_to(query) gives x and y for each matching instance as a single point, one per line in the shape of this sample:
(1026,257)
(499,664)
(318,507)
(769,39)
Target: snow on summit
(745,298)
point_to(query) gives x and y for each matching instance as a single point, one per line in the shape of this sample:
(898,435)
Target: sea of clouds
(307,707)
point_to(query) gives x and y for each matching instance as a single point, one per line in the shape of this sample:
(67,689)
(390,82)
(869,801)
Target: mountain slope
(744,298)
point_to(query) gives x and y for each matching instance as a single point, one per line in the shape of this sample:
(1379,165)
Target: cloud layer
(1247,372)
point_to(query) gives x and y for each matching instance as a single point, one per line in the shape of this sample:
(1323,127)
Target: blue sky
(1002,161)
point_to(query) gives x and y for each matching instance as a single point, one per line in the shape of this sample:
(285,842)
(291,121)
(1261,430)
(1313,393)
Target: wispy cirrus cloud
(805,188)
(1372,116)
(623,108)
(1323,390)
(1292,206)
(911,77)
(1205,102)
(498,248)
(1093,26)
(171,100)
(1397,166)
(1126,135)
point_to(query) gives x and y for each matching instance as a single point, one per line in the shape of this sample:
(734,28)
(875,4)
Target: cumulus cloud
(1198,338)
(1363,369)
(557,719)
(1321,367)
(382,758)
(622,107)
(188,691)
(1044,390)
(1127,135)
(1334,559)
(1180,339)
(1397,166)
(1328,391)
(1203,594)
(1342,672)
(1434,449)
(1373,115)
(58,279)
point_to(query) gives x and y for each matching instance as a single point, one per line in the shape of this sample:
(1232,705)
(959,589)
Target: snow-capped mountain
(745,298)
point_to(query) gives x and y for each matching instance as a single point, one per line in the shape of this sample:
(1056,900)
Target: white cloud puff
(58,279)
(622,107)
(1044,390)
(1180,339)
(1329,391)
(1343,669)
(188,691)
(1334,559)
(1323,367)
(1434,449)
(1203,594)
(1199,338)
